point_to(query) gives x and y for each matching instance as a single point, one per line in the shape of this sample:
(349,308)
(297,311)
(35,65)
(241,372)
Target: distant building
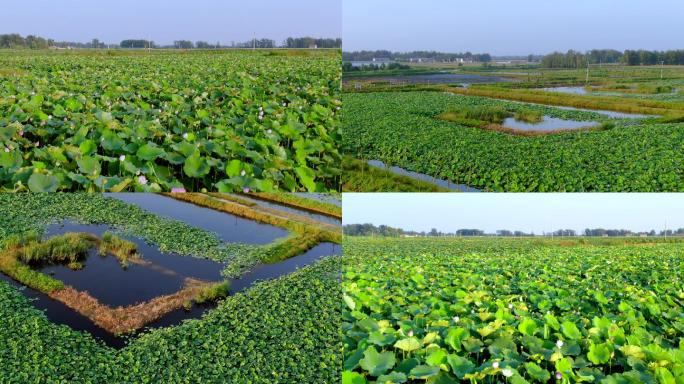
(313,46)
(421,60)
(381,60)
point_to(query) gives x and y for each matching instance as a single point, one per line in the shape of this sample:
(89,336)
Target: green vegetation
(529,116)
(26,275)
(639,106)
(304,236)
(68,249)
(401,129)
(361,177)
(123,250)
(89,121)
(479,116)
(286,330)
(212,292)
(512,310)
(32,212)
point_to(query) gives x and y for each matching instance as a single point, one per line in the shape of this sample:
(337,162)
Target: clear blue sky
(167,20)
(504,27)
(536,212)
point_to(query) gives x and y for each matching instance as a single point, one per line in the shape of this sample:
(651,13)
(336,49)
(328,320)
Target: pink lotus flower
(178,190)
(245,190)
(142,179)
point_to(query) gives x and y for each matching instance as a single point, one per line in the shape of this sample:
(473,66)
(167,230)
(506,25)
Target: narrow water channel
(229,228)
(423,177)
(286,208)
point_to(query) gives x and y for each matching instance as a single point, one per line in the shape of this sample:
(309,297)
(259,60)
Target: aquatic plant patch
(508,310)
(305,233)
(400,129)
(32,212)
(286,330)
(220,121)
(117,320)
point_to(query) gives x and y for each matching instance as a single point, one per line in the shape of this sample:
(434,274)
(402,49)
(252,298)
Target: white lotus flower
(559,343)
(508,372)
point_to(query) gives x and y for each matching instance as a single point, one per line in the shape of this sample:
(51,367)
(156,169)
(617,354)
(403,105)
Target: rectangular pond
(547,124)
(105,279)
(229,228)
(612,114)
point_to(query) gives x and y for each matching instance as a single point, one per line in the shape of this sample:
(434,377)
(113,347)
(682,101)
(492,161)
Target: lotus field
(517,311)
(159,121)
(403,129)
(278,324)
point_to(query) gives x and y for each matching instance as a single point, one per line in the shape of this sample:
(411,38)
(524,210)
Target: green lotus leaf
(149,152)
(377,363)
(39,182)
(536,372)
(349,377)
(461,366)
(423,372)
(196,166)
(408,344)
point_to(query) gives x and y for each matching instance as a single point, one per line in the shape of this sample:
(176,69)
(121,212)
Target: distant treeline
(406,56)
(348,67)
(576,59)
(16,41)
(387,231)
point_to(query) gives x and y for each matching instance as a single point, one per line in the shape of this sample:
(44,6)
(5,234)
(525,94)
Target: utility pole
(586,81)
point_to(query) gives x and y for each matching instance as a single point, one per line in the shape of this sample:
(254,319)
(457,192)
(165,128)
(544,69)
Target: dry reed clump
(122,320)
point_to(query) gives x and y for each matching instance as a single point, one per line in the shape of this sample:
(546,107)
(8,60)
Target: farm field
(169,288)
(485,310)
(221,121)
(524,135)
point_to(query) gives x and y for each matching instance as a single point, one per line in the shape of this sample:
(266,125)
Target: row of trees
(576,59)
(306,42)
(673,57)
(387,231)
(16,41)
(349,67)
(406,56)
